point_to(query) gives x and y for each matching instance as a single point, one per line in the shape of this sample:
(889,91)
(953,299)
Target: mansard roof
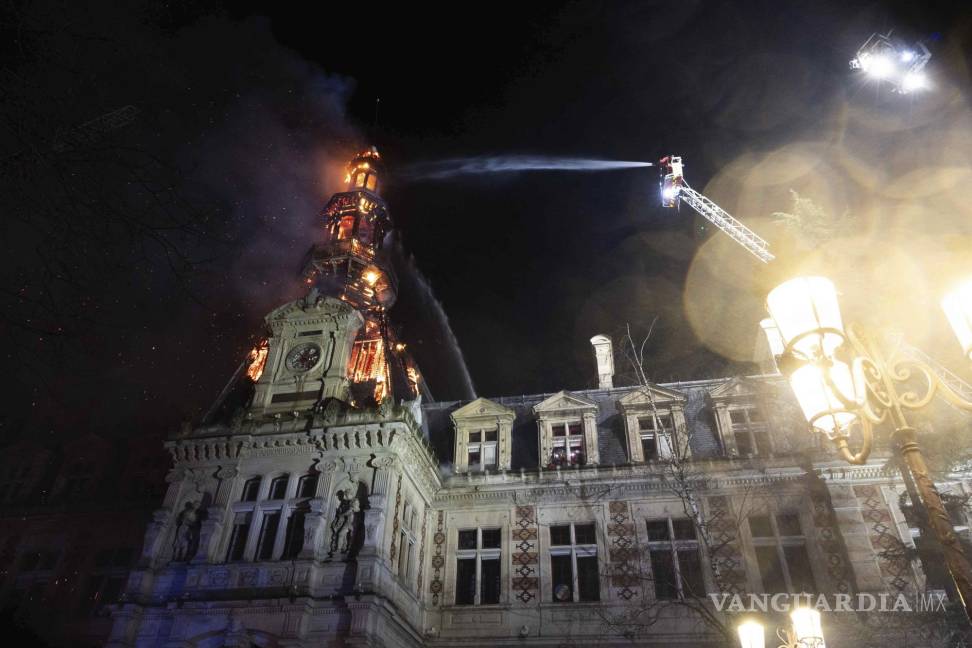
(438,422)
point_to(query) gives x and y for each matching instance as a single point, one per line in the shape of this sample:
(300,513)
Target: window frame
(568,442)
(780,542)
(479,554)
(575,551)
(673,546)
(481,447)
(752,430)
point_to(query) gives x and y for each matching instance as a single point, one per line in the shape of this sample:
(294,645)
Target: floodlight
(879,66)
(913,81)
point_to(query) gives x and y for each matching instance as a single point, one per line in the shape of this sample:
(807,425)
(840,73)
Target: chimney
(604,357)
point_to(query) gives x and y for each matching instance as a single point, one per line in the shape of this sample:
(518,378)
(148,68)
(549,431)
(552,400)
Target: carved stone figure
(187,533)
(342,526)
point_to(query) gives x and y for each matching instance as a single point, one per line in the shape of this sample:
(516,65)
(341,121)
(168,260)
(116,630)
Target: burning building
(327,500)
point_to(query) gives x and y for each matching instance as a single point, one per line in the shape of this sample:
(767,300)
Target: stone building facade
(327,501)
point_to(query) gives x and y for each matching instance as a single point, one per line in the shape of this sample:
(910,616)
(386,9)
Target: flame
(368,363)
(371,277)
(257,360)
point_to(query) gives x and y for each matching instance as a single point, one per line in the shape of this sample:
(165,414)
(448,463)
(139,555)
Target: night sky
(139,263)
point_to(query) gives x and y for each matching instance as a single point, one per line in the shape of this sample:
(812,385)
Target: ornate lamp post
(842,379)
(806,632)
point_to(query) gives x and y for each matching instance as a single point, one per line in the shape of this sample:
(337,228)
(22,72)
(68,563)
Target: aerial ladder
(675,189)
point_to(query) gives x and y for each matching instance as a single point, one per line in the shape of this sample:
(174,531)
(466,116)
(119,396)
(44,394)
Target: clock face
(303,357)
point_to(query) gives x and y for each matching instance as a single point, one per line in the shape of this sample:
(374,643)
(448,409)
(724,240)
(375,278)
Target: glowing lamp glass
(913,81)
(820,405)
(957,305)
(751,635)
(806,625)
(773,337)
(803,306)
(880,66)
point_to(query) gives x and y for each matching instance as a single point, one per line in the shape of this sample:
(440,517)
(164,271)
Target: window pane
(647,423)
(475,437)
(798,563)
(770,570)
(560,535)
(241,528)
(295,535)
(762,441)
(559,430)
(663,571)
(684,529)
(691,569)
(584,534)
(788,524)
(755,415)
(649,448)
(308,486)
(268,534)
(250,490)
(575,429)
(465,581)
(562,578)
(743,442)
(474,458)
(658,529)
(491,435)
(490,456)
(278,489)
(759,526)
(489,591)
(491,538)
(588,581)
(467,539)
(738,417)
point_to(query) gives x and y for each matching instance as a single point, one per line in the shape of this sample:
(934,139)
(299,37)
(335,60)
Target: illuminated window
(372,182)
(481,450)
(568,444)
(478,566)
(346,227)
(573,563)
(781,553)
(675,562)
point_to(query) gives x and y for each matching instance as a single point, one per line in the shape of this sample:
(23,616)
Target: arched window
(250,490)
(278,487)
(307,487)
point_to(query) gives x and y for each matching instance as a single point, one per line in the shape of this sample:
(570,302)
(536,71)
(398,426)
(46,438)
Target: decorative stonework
(887,546)
(396,522)
(829,540)
(726,553)
(525,561)
(421,559)
(438,559)
(623,552)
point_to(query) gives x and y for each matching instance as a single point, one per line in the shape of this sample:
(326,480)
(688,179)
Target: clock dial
(303,357)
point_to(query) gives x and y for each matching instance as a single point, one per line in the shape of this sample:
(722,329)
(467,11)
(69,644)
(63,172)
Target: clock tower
(337,342)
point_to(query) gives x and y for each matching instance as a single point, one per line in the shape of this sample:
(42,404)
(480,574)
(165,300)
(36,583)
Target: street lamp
(841,379)
(806,633)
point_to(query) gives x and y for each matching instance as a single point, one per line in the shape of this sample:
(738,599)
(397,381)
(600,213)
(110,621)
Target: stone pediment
(564,401)
(733,389)
(482,408)
(314,307)
(645,396)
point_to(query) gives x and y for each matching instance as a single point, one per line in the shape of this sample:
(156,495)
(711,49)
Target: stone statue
(342,526)
(187,533)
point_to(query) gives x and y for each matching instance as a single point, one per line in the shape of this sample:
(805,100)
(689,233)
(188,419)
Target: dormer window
(481,449)
(483,430)
(567,426)
(749,431)
(650,429)
(654,419)
(567,445)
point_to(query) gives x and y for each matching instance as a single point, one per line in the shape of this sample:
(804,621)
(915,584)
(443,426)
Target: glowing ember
(371,277)
(368,363)
(257,360)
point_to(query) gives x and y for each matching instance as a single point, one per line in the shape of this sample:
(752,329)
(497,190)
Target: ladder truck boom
(674,188)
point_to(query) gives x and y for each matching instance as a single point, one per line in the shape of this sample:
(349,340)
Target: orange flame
(257,360)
